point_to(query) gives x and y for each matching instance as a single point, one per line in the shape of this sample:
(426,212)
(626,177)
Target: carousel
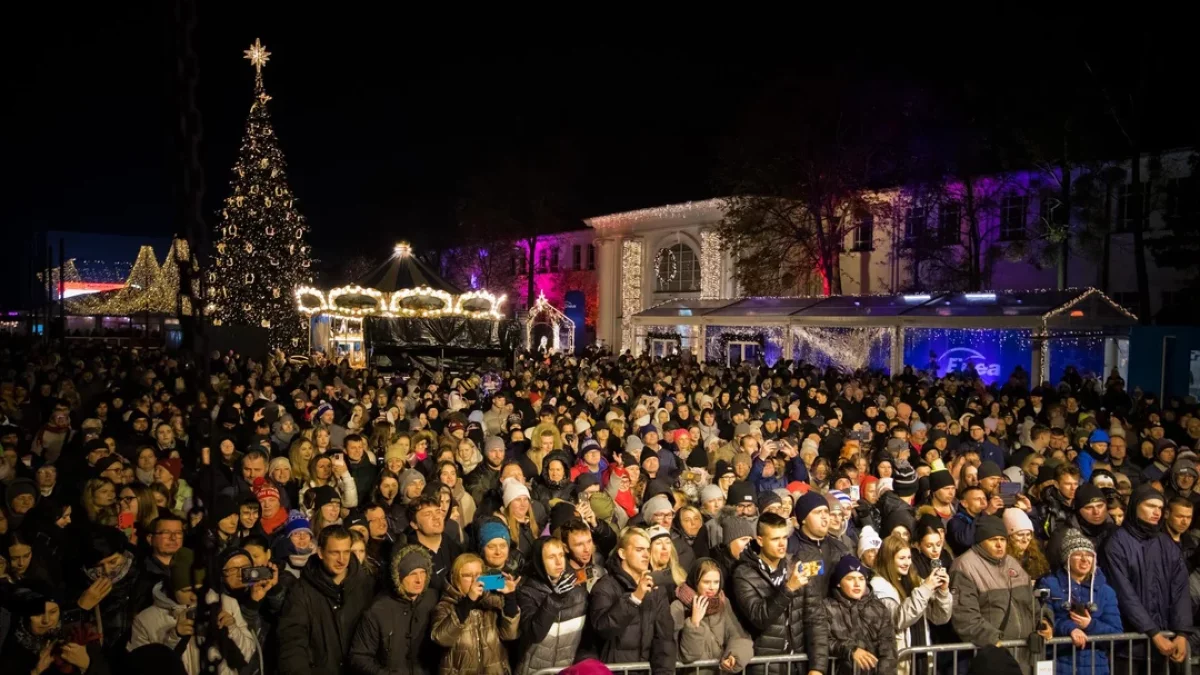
(405,310)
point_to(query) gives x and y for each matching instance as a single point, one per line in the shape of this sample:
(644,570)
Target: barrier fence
(1121,652)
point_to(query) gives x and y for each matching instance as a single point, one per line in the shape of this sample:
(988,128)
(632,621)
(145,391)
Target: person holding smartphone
(472,623)
(915,603)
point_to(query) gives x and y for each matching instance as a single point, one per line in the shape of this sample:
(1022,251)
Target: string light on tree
(261,259)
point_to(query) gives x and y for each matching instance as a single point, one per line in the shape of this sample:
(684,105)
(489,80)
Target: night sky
(383,118)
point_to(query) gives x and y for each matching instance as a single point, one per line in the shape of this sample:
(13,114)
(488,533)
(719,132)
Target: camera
(1084,608)
(1041,594)
(936,564)
(251,575)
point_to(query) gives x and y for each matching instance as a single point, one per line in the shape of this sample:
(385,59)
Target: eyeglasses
(171,534)
(126,500)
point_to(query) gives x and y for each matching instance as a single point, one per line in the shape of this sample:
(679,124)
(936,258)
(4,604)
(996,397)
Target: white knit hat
(868,540)
(514,489)
(1015,521)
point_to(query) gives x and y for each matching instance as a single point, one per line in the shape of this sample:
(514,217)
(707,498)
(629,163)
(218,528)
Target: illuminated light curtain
(710,264)
(631,288)
(843,348)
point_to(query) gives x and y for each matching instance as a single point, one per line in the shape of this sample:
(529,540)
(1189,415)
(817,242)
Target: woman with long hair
(448,475)
(300,453)
(326,508)
(664,560)
(913,602)
(323,471)
(137,499)
(705,622)
(100,502)
(517,514)
(467,455)
(387,495)
(321,439)
(280,473)
(1023,546)
(143,469)
(473,632)
(179,494)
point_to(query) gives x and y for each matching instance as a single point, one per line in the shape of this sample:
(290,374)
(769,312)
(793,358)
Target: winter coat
(552,623)
(828,552)
(1106,619)
(345,487)
(1150,579)
(156,625)
(780,621)
(913,614)
(365,472)
(630,632)
(993,600)
(393,635)
(1056,512)
(960,532)
(472,643)
(319,618)
(866,624)
(717,636)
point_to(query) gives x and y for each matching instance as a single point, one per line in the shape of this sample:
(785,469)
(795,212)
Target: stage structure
(561,328)
(402,309)
(991,332)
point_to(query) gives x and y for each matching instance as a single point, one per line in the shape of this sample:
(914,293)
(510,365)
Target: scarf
(144,477)
(776,577)
(686,594)
(269,525)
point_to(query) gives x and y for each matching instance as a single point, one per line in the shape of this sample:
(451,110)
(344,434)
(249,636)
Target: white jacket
(156,625)
(916,612)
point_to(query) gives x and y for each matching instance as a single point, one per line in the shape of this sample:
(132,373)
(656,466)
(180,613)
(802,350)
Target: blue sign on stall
(993,354)
(575,307)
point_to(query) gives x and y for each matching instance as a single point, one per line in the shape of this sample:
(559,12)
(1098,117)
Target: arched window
(677,270)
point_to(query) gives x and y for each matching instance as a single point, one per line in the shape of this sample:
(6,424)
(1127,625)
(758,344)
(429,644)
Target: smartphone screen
(125,520)
(1009,492)
(492,582)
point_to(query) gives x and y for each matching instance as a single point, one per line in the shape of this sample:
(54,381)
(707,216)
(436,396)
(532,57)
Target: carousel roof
(405,270)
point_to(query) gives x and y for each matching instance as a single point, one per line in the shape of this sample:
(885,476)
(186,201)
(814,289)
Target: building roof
(405,270)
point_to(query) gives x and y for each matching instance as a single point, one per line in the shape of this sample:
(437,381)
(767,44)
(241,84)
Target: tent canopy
(405,270)
(1069,309)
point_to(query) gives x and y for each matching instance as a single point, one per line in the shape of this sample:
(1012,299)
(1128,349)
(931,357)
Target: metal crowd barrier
(962,652)
(790,663)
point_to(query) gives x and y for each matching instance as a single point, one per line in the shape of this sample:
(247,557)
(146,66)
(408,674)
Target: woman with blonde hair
(664,560)
(517,514)
(100,502)
(1023,546)
(300,453)
(913,602)
(467,455)
(472,624)
(395,457)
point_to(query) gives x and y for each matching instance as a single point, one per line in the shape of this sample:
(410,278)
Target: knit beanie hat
(847,565)
(807,504)
(710,492)
(868,540)
(987,527)
(394,451)
(264,490)
(633,445)
(656,504)
(1086,494)
(940,479)
(493,529)
(296,522)
(1073,542)
(736,527)
(647,453)
(1015,521)
(767,498)
(741,492)
(407,478)
(989,469)
(514,489)
(1098,436)
(325,494)
(102,541)
(840,498)
(173,465)
(182,575)
(722,469)
(904,480)
(410,559)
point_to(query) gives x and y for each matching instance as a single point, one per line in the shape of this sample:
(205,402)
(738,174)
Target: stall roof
(1070,309)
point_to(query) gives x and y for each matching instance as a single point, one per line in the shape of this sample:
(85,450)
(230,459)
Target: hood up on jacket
(1183,465)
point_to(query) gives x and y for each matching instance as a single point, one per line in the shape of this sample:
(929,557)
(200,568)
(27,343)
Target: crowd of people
(295,516)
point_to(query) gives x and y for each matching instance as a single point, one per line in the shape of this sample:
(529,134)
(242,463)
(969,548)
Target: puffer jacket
(865,623)
(717,636)
(393,635)
(551,622)
(545,489)
(914,614)
(156,625)
(1056,512)
(986,591)
(1106,619)
(472,633)
(828,552)
(779,621)
(629,632)
(319,617)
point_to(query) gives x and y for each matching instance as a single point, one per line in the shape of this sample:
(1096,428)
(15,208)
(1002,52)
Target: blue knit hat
(321,410)
(1099,436)
(493,529)
(845,566)
(810,502)
(296,522)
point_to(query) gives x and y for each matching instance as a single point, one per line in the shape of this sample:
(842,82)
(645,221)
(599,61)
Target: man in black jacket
(393,636)
(632,616)
(322,611)
(810,542)
(784,612)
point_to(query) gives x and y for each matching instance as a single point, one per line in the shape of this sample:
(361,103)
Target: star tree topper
(258,55)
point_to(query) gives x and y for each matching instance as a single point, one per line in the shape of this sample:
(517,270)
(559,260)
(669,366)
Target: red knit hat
(264,490)
(174,465)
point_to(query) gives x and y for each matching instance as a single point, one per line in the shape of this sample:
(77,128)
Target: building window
(554,259)
(1131,210)
(543,259)
(949,223)
(915,218)
(520,266)
(1013,208)
(677,270)
(576,257)
(591,256)
(864,232)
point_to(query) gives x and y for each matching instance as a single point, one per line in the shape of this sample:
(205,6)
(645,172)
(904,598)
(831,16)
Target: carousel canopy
(403,286)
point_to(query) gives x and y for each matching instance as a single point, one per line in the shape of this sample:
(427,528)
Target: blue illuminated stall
(991,333)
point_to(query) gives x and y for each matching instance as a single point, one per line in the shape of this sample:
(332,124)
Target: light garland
(844,348)
(769,338)
(666,258)
(149,289)
(356,290)
(260,256)
(557,321)
(395,306)
(711,209)
(492,311)
(710,264)
(631,288)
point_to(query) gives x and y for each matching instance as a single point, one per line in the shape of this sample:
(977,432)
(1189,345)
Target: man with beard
(1147,571)
(486,477)
(1057,498)
(1090,517)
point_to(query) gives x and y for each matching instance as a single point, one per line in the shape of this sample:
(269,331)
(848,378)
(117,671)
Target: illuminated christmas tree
(261,254)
